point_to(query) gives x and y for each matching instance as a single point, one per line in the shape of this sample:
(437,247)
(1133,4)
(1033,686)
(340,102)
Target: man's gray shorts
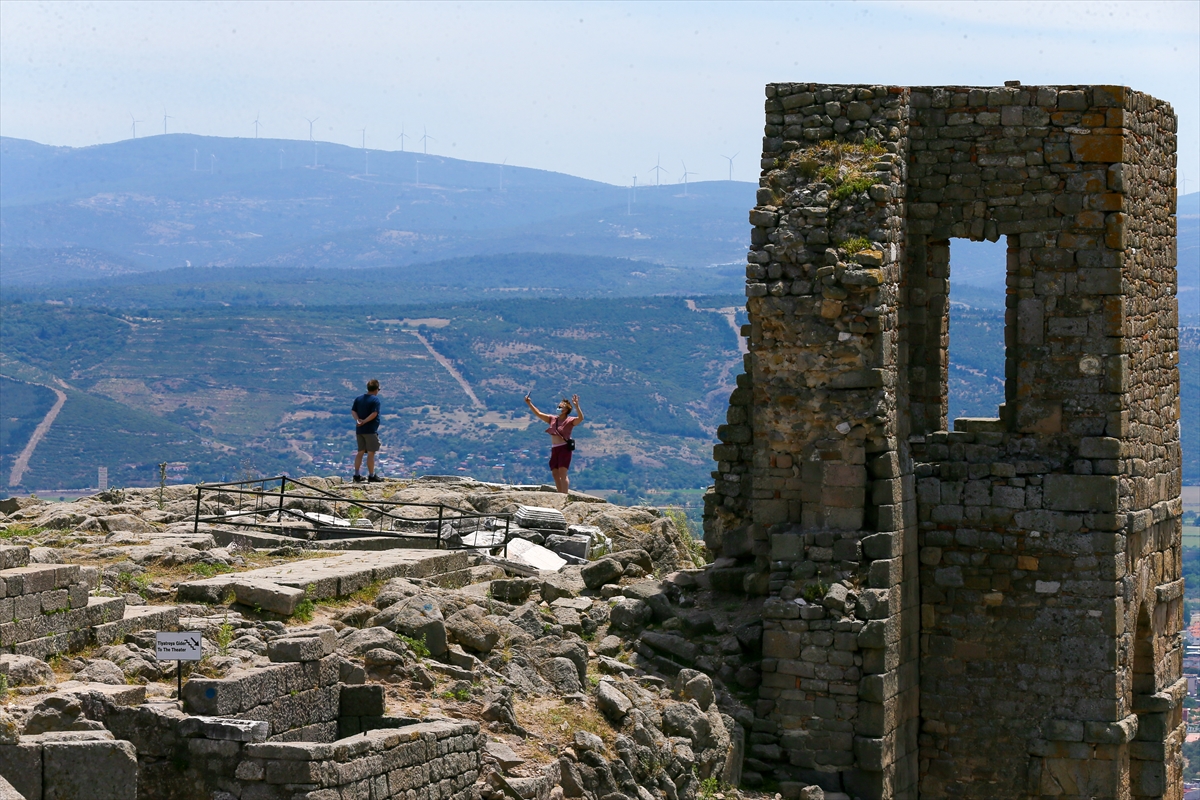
(367,442)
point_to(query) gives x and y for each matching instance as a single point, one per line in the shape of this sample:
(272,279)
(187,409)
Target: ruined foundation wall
(1008,617)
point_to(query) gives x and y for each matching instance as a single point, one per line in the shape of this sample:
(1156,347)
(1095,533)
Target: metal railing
(259,504)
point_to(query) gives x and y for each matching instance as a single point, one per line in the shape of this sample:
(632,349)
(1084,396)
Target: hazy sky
(599,90)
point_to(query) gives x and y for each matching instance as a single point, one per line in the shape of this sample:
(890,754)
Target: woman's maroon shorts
(560,457)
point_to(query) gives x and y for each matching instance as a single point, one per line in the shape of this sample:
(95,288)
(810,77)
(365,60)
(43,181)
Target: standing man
(366,423)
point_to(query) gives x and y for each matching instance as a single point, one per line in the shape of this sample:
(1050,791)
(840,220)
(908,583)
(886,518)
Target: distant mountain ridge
(180,200)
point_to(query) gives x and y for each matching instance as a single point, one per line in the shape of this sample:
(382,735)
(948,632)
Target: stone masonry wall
(428,761)
(989,608)
(47,609)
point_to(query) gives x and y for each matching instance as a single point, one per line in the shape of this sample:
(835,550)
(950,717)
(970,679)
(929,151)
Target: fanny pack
(570,444)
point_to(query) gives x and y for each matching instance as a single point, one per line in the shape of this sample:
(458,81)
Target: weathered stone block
(268,596)
(89,770)
(21,765)
(1080,492)
(362,701)
(300,648)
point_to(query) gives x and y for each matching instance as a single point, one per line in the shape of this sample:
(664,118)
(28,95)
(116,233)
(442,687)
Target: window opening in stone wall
(975,379)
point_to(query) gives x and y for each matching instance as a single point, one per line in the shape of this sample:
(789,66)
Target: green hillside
(24,406)
(93,431)
(245,389)
(270,388)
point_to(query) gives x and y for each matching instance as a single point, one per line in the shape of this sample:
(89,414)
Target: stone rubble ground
(621,677)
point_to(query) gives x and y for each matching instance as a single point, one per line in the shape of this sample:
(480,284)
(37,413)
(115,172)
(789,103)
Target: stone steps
(136,618)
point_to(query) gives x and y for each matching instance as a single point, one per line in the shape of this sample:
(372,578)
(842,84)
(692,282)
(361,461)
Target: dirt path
(39,433)
(445,362)
(730,315)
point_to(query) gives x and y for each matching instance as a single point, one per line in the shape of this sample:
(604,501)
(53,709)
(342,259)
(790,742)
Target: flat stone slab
(335,576)
(535,555)
(576,603)
(122,695)
(268,595)
(226,728)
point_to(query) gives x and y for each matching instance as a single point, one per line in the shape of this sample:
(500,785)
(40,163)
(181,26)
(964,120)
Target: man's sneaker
(374,479)
(359,479)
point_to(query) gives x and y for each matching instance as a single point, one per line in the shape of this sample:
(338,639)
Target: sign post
(177,647)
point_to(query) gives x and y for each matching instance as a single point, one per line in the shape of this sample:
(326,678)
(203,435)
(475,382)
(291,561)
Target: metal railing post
(282,484)
(196,525)
(507,520)
(439,529)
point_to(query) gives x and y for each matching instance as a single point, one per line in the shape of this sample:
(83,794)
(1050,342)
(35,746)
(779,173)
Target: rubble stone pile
(620,672)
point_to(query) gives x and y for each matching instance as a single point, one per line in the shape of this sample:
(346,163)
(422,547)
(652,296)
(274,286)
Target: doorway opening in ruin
(1143,658)
(975,373)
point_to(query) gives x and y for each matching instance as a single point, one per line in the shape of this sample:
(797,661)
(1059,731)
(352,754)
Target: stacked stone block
(993,609)
(77,765)
(46,608)
(299,697)
(428,761)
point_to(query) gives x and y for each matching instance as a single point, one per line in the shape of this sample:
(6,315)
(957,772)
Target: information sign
(182,646)
(177,647)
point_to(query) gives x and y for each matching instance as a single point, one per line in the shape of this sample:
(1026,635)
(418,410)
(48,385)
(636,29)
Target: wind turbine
(657,169)
(418,163)
(635,188)
(425,141)
(730,160)
(502,163)
(402,137)
(165,118)
(256,124)
(310,124)
(685,177)
(212,161)
(366,155)
(135,122)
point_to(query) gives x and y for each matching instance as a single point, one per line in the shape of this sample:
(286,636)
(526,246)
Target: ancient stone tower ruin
(977,607)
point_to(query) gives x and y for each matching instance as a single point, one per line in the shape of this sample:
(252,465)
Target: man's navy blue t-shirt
(363,406)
